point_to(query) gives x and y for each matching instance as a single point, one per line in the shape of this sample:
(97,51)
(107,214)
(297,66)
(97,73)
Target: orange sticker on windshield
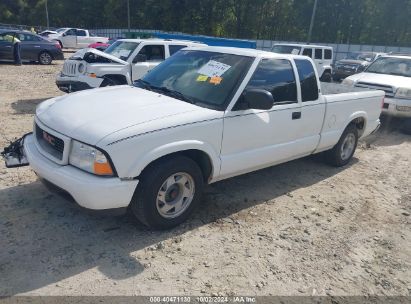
(216,80)
(202,78)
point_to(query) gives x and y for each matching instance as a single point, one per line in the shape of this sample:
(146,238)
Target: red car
(99,46)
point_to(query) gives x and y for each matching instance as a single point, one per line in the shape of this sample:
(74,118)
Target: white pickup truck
(123,62)
(75,38)
(201,116)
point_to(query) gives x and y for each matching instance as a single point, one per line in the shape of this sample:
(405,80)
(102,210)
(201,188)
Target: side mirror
(140,58)
(64,34)
(255,99)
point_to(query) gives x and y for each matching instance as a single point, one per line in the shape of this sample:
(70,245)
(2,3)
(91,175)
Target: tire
(344,150)
(45,58)
(168,192)
(109,82)
(326,77)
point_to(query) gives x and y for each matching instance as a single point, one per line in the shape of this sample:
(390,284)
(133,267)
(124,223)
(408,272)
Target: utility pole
(128,14)
(47,15)
(310,31)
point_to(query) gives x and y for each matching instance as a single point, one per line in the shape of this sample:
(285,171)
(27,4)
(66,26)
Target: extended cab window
(308,80)
(153,52)
(277,77)
(308,53)
(318,54)
(175,48)
(328,54)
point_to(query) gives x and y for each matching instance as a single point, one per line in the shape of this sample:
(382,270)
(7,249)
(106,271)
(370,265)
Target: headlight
(89,159)
(348,82)
(81,68)
(403,93)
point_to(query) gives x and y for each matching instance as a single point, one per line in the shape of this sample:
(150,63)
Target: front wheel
(168,192)
(344,150)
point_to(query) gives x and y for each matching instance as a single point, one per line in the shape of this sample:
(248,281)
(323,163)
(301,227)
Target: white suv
(391,74)
(125,61)
(320,54)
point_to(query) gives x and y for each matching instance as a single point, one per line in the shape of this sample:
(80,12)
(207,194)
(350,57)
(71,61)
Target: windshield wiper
(175,94)
(146,85)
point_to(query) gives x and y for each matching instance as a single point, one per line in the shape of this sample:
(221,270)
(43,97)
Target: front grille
(50,143)
(389,91)
(70,68)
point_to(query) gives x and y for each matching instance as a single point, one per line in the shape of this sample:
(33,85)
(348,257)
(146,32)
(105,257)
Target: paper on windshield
(295,51)
(214,68)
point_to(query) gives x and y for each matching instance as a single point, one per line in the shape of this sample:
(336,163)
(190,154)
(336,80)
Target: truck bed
(337,88)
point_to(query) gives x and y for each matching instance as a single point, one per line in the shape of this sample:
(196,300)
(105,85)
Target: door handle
(296,115)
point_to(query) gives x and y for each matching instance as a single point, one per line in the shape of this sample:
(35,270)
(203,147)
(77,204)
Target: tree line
(337,21)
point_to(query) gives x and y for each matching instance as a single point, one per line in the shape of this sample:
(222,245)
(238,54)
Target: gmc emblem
(47,137)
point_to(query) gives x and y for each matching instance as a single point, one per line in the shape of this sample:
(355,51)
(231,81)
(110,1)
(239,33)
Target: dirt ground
(301,228)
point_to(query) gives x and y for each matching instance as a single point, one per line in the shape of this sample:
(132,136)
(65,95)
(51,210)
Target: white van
(320,54)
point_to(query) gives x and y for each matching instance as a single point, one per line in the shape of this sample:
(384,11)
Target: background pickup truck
(123,62)
(203,115)
(75,38)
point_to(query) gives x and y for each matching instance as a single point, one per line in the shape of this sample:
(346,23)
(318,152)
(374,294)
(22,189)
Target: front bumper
(397,107)
(89,191)
(70,84)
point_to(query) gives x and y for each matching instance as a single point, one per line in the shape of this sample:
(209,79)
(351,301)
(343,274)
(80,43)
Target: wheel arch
(119,77)
(201,153)
(359,119)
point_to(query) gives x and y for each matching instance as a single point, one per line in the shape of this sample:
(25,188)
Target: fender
(138,166)
(355,115)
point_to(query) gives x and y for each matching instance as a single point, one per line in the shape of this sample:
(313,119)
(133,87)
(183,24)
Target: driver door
(69,38)
(255,139)
(146,59)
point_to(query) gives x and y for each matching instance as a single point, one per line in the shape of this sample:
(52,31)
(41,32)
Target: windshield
(60,30)
(391,66)
(362,56)
(204,78)
(122,49)
(286,49)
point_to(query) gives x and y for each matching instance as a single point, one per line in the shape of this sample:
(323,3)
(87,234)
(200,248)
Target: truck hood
(81,53)
(352,61)
(383,79)
(91,115)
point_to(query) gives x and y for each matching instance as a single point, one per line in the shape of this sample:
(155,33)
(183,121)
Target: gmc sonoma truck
(201,116)
(123,62)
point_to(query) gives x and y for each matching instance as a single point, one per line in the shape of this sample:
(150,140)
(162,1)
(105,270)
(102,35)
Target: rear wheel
(168,192)
(326,77)
(344,150)
(45,58)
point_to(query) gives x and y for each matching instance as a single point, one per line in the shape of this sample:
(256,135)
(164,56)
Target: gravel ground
(301,228)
